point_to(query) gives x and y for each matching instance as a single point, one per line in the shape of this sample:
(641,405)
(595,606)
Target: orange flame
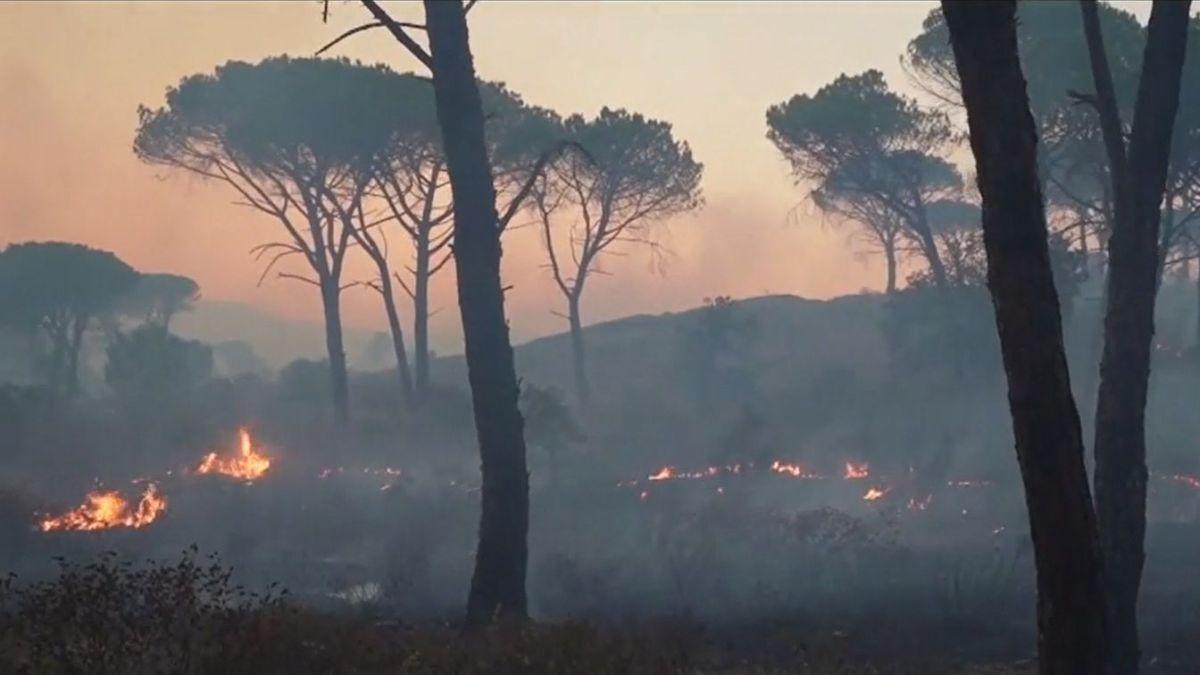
(875,493)
(106,510)
(665,473)
(247,465)
(793,470)
(857,470)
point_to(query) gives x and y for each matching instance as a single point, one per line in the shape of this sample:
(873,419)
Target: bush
(111,616)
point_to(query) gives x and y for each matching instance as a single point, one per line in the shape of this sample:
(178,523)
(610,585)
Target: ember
(106,510)
(247,465)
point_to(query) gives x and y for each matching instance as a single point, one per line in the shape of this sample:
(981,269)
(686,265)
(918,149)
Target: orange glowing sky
(72,76)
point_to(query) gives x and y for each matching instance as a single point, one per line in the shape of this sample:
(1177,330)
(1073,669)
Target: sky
(72,76)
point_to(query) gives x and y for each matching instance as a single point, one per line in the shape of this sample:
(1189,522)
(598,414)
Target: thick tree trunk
(339,381)
(583,387)
(1139,178)
(498,584)
(1049,442)
(421,313)
(393,317)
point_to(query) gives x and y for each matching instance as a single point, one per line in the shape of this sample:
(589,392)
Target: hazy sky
(72,76)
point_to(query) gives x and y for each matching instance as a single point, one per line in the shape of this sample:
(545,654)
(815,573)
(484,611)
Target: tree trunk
(583,387)
(929,249)
(1139,177)
(393,316)
(339,385)
(1196,341)
(889,256)
(498,583)
(421,312)
(1049,441)
(77,330)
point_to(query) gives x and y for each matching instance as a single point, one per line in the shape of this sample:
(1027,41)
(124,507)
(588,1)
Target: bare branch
(397,31)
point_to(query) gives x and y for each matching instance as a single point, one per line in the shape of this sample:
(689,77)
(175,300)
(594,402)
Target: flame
(857,470)
(247,465)
(665,473)
(671,473)
(875,493)
(793,470)
(106,510)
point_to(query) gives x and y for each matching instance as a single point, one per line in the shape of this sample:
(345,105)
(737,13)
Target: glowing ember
(875,493)
(671,473)
(106,510)
(247,465)
(915,504)
(1190,481)
(856,470)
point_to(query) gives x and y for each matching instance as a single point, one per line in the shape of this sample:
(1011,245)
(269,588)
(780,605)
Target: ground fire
(248,464)
(109,509)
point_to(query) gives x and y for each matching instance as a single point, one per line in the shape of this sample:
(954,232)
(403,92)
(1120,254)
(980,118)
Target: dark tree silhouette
(1046,427)
(149,364)
(1138,169)
(157,298)
(413,185)
(630,174)
(871,157)
(498,583)
(1054,52)
(58,289)
(293,138)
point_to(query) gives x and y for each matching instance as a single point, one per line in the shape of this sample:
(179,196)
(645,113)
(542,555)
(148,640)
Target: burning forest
(339,338)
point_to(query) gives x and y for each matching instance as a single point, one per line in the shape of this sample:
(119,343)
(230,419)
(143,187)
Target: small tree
(58,289)
(871,157)
(629,174)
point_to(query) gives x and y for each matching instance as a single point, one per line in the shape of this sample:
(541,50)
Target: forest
(983,462)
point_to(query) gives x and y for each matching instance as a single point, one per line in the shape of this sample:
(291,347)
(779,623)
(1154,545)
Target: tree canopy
(60,288)
(159,297)
(870,156)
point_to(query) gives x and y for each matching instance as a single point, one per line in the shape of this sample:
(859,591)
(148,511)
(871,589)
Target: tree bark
(393,317)
(583,387)
(339,381)
(929,248)
(889,256)
(421,311)
(1046,428)
(498,583)
(1139,175)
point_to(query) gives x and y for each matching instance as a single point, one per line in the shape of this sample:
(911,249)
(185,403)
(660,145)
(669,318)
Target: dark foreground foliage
(111,616)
